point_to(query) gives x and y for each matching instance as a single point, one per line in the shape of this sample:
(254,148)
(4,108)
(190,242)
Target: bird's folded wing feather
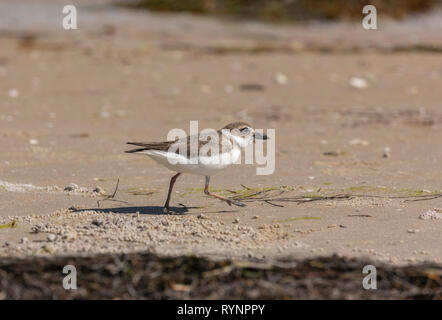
(220,145)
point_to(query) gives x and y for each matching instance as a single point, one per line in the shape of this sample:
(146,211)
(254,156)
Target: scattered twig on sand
(273,204)
(426,197)
(112,196)
(272,195)
(359,215)
(410,198)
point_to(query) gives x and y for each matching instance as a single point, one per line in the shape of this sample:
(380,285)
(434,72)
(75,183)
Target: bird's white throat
(239,141)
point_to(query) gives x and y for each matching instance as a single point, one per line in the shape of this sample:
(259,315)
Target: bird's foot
(168,211)
(234,202)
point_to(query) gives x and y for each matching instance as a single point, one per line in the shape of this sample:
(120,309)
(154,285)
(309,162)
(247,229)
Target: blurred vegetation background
(288,10)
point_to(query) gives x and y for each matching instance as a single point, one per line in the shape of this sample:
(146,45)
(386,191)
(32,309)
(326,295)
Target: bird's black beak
(260,136)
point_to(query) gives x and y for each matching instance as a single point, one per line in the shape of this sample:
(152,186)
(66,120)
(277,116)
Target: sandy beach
(357,116)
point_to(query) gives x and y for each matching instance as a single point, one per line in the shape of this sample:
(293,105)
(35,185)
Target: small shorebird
(231,139)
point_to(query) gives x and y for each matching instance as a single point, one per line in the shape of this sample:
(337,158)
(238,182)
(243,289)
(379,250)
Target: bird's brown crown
(236,125)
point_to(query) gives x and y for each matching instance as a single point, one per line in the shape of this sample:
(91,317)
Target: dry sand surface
(357,114)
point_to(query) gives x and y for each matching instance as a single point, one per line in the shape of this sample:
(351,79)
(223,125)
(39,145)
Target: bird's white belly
(205,166)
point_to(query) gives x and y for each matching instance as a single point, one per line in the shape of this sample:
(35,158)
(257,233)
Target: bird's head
(242,133)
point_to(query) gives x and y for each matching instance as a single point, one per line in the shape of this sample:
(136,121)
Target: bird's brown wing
(222,145)
(161,146)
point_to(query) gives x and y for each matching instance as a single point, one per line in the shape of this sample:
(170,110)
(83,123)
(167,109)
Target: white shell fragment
(358,83)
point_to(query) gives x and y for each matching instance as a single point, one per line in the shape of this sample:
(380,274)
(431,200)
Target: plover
(227,146)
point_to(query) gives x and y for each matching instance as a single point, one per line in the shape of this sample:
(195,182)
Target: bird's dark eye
(244,130)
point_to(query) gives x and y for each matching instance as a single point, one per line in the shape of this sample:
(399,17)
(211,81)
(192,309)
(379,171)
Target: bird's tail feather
(136,150)
(162,146)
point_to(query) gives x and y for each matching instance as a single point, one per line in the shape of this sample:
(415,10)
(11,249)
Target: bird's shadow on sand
(153,210)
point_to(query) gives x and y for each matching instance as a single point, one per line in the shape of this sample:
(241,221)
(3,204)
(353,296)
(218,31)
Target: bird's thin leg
(172,182)
(229,201)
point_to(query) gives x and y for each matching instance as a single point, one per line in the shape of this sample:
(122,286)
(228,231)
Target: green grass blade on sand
(12,224)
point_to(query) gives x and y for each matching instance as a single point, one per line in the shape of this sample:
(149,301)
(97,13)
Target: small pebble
(99,190)
(386,153)
(281,78)
(358,141)
(71,187)
(51,237)
(13,93)
(97,223)
(358,83)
